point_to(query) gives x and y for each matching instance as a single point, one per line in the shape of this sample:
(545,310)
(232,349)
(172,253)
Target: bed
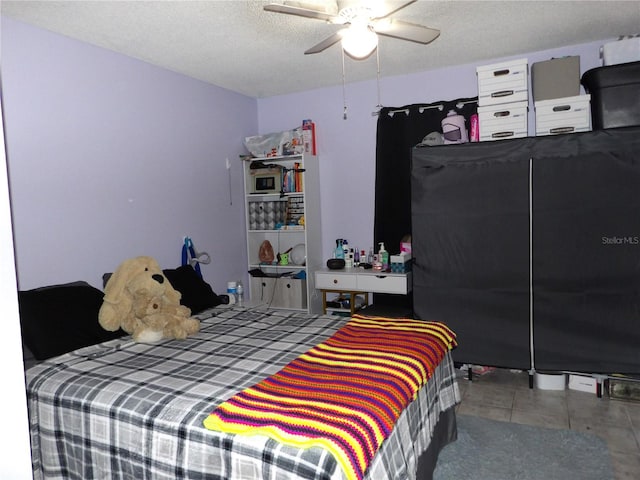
(127,410)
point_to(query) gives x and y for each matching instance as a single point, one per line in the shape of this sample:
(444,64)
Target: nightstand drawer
(385,283)
(342,281)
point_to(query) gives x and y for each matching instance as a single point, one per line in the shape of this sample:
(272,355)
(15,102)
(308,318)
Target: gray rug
(492,450)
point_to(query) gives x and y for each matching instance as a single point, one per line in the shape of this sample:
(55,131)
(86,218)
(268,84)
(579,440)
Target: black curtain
(399,130)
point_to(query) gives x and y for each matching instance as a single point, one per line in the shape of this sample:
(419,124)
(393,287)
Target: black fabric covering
(586,255)
(445,432)
(470,246)
(470,209)
(196,293)
(61,318)
(397,133)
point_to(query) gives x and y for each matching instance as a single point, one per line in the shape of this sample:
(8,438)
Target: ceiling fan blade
(406,31)
(389,8)
(301,12)
(327,42)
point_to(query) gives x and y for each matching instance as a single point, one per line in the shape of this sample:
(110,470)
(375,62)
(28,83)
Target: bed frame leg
(470,374)
(531,378)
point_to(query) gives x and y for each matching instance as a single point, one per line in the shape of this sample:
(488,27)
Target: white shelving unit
(273,214)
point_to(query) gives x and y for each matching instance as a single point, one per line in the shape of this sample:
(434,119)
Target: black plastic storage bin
(615,95)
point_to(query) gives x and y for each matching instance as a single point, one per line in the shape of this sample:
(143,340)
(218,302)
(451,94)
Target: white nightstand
(351,281)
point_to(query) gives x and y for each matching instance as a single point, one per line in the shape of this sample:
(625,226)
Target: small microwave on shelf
(266,180)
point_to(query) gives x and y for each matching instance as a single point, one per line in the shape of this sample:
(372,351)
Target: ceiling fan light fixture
(359,41)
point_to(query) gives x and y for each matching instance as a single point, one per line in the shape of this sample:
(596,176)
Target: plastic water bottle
(232,291)
(240,293)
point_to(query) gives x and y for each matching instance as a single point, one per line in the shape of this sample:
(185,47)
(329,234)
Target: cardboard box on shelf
(555,78)
(309,136)
(624,50)
(504,82)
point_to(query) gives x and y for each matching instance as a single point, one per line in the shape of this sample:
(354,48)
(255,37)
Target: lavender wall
(110,157)
(347,147)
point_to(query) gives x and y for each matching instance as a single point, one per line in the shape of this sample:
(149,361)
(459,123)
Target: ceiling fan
(363,21)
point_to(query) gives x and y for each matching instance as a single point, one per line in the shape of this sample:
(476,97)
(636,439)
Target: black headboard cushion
(61,318)
(196,293)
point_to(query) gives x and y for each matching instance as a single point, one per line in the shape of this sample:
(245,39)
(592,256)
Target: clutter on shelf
(344,302)
(296,141)
(345,256)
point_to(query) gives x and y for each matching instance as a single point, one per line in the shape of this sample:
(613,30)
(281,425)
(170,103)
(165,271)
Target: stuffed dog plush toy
(140,300)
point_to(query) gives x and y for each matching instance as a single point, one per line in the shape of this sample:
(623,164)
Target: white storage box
(507,120)
(583,383)
(550,381)
(503,82)
(563,115)
(621,51)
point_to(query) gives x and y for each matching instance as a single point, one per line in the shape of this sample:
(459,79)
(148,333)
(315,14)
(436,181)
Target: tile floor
(505,395)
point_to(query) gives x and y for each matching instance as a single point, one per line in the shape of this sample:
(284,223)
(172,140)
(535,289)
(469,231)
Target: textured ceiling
(236,45)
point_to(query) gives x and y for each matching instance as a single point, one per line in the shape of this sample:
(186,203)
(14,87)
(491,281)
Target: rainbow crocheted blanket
(344,394)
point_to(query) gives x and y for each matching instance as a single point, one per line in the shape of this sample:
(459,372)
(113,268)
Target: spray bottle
(383,257)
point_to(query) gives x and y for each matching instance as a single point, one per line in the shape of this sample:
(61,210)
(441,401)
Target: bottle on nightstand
(240,293)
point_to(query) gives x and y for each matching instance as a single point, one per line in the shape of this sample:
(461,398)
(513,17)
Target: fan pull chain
(379,106)
(344,92)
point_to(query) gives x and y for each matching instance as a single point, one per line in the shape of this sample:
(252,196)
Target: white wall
(15,453)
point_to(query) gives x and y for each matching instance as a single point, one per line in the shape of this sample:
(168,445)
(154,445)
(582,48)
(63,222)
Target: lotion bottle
(383,256)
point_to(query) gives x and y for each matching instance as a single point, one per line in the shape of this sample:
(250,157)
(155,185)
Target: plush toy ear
(114,289)
(117,301)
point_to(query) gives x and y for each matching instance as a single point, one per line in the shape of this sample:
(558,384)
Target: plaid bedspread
(133,411)
(346,393)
